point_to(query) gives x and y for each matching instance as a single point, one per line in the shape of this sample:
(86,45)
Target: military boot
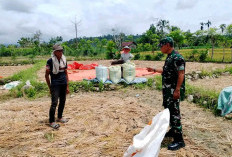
(170,133)
(177,143)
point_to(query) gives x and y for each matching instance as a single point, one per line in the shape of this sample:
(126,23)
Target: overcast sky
(22,18)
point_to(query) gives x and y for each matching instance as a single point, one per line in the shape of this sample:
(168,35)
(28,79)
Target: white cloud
(186,4)
(22,18)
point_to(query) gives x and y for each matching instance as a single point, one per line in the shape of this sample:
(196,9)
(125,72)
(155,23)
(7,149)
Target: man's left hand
(176,94)
(67,91)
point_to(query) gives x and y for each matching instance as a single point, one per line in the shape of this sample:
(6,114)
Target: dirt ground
(103,124)
(216,84)
(6,71)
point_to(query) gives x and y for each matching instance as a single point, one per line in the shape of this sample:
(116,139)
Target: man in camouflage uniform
(173,85)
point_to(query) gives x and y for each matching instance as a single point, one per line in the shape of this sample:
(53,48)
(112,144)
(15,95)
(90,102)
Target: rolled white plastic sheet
(147,142)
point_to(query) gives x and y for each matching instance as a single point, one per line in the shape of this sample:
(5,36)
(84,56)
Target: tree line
(108,45)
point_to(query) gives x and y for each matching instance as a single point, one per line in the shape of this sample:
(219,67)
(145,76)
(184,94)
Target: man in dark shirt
(173,88)
(58,84)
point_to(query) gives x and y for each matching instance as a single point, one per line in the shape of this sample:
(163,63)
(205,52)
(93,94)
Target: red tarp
(76,65)
(78,75)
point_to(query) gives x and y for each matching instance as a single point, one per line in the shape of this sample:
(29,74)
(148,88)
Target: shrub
(192,56)
(159,56)
(137,56)
(148,57)
(110,55)
(203,56)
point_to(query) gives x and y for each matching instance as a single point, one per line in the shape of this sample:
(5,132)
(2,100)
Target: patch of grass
(50,136)
(28,74)
(39,89)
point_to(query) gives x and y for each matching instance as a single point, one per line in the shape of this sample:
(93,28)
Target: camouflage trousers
(173,106)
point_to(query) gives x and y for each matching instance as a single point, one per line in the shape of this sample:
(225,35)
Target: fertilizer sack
(101,73)
(147,142)
(129,71)
(115,73)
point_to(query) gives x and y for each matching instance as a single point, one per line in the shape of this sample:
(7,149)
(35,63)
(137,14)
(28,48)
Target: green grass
(218,54)
(40,89)
(200,95)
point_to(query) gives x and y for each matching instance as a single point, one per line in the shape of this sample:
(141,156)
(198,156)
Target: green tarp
(225,101)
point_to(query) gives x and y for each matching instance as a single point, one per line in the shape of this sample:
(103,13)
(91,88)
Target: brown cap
(57,47)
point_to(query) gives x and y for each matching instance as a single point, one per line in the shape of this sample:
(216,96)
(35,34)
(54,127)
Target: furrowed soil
(102,124)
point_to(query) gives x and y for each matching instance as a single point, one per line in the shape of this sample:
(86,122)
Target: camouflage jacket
(173,63)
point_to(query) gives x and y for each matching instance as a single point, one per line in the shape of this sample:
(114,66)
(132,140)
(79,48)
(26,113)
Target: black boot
(177,143)
(170,133)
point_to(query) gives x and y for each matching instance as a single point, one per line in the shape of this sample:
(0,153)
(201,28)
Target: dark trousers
(57,92)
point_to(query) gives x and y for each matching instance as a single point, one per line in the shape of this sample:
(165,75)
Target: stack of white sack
(129,71)
(115,73)
(101,73)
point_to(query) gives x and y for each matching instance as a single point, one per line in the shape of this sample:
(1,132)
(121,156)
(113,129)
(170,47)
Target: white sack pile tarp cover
(147,142)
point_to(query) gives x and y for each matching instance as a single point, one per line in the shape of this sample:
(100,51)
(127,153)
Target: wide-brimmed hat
(57,47)
(126,47)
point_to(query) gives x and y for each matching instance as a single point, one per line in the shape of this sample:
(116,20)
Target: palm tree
(213,36)
(222,26)
(202,26)
(162,24)
(208,24)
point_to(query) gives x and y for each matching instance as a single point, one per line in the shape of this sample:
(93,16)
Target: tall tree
(222,27)
(76,25)
(118,37)
(153,39)
(213,37)
(208,23)
(178,37)
(36,37)
(229,30)
(202,26)
(229,34)
(162,24)
(24,42)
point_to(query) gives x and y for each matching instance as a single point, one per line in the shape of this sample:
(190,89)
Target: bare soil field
(103,124)
(216,84)
(6,71)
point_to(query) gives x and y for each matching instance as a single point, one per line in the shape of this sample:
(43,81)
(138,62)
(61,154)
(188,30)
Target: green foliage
(28,74)
(200,96)
(50,136)
(148,57)
(192,56)
(140,86)
(110,55)
(32,58)
(30,92)
(137,56)
(158,81)
(101,86)
(150,82)
(159,56)
(203,56)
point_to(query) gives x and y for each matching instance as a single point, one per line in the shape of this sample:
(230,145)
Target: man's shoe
(176,145)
